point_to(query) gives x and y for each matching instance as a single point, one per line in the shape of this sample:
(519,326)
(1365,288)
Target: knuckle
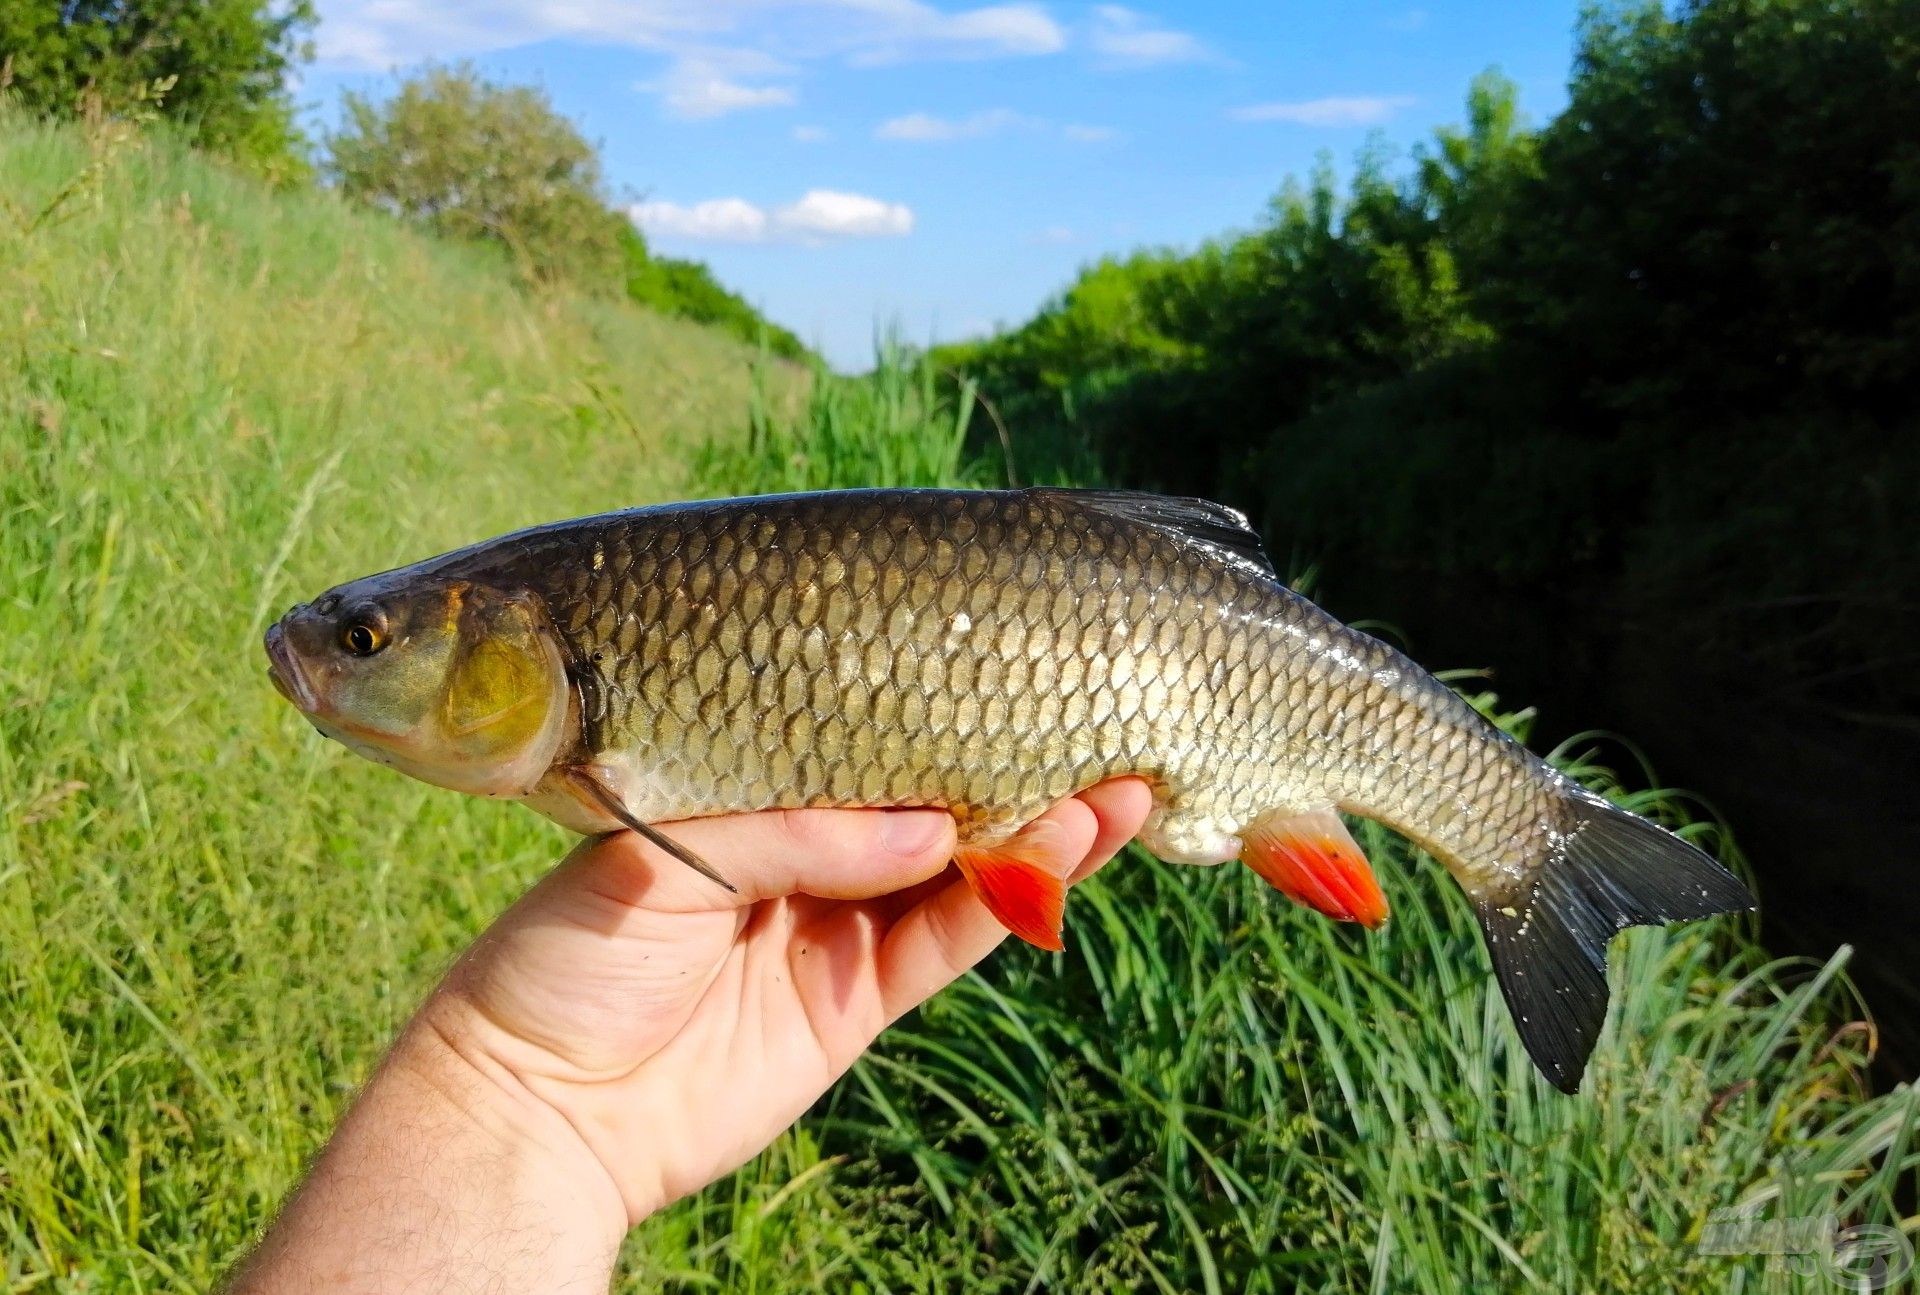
(808,831)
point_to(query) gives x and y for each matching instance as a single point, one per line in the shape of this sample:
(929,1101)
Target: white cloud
(1356,111)
(715,82)
(1054,236)
(810,135)
(357,45)
(828,213)
(718,220)
(381,34)
(922,128)
(1411,20)
(925,128)
(1126,38)
(698,96)
(816,216)
(1009,29)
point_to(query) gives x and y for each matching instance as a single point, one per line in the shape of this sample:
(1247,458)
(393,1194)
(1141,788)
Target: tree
(1661,356)
(479,160)
(224,64)
(1724,220)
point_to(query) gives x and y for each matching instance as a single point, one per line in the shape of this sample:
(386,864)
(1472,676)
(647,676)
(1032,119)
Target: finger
(831,853)
(951,930)
(897,904)
(1120,806)
(892,907)
(932,944)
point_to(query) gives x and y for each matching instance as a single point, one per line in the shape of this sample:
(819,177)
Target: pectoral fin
(1312,859)
(591,786)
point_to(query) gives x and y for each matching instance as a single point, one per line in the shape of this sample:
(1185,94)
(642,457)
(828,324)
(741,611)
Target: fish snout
(283,667)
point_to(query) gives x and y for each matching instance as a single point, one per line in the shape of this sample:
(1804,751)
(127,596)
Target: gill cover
(503,712)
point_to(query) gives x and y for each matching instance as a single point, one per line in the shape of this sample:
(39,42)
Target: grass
(904,424)
(214,400)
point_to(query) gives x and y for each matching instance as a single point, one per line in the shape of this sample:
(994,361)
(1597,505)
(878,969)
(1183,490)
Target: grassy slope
(212,400)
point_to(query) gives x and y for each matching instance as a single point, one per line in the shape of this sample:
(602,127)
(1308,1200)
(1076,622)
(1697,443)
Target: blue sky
(946,167)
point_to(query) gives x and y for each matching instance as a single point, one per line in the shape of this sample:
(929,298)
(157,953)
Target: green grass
(214,400)
(903,424)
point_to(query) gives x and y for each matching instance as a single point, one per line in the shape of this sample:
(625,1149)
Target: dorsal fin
(1201,519)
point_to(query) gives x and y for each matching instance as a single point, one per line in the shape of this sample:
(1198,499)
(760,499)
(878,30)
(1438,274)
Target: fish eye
(363,638)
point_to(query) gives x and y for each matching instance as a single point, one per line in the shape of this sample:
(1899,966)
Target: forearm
(445,1175)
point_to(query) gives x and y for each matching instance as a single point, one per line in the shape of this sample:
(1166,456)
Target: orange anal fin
(1027,898)
(1312,859)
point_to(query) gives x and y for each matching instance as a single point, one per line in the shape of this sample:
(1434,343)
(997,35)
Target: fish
(988,652)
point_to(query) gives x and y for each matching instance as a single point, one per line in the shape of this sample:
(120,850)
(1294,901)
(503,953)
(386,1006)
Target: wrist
(443,1158)
(456,1057)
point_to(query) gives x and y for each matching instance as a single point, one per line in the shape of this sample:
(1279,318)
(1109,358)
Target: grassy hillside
(214,400)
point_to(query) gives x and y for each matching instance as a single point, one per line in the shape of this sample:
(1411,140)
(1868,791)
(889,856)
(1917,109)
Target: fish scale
(991,653)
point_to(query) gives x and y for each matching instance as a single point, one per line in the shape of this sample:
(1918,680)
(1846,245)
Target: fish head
(449,681)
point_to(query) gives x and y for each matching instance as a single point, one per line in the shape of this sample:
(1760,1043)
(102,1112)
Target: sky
(939,168)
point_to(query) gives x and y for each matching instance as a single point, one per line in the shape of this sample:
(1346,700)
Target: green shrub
(222,65)
(473,159)
(688,290)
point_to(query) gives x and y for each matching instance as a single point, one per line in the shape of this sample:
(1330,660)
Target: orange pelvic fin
(1018,887)
(1312,859)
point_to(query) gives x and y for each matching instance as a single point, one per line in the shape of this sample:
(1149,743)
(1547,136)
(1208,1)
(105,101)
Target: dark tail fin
(1549,944)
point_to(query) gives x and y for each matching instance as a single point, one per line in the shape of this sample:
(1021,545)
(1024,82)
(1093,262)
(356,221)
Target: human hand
(679,1028)
(628,1032)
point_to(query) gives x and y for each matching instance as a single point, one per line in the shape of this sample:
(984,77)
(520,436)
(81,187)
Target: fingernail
(911,831)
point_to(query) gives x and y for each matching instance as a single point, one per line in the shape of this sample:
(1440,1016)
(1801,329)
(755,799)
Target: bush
(688,290)
(474,159)
(224,64)
(478,160)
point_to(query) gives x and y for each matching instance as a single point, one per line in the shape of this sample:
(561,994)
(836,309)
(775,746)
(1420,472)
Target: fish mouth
(289,680)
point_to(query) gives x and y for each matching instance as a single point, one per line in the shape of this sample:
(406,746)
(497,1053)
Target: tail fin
(1549,944)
